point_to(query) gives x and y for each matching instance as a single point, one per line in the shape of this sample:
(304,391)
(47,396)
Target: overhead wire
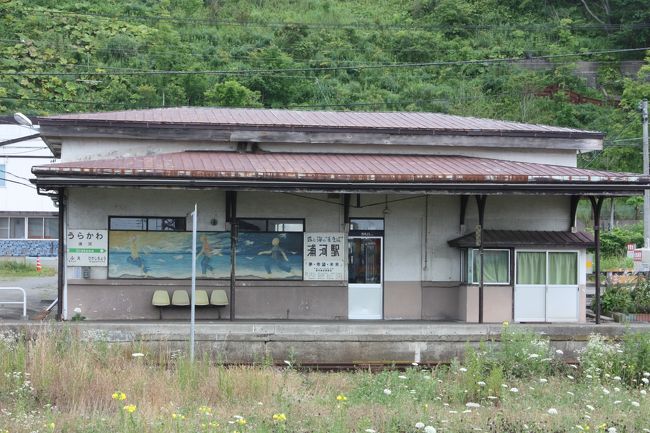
(486,61)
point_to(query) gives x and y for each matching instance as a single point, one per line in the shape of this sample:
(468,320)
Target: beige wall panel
(402,300)
(326,301)
(497,305)
(440,302)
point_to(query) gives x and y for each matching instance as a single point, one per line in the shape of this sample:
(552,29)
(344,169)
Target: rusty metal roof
(242,118)
(524,238)
(320,167)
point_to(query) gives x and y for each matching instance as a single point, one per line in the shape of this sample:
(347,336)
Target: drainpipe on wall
(480,202)
(596,206)
(61,255)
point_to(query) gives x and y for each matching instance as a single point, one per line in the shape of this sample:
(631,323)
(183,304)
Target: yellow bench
(181,298)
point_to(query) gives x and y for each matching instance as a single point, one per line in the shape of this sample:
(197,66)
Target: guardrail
(24,301)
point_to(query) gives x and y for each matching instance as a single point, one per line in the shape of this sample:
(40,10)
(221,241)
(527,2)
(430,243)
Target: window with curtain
(496,269)
(536,267)
(531,267)
(563,268)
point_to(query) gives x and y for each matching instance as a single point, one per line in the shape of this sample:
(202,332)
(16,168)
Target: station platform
(326,344)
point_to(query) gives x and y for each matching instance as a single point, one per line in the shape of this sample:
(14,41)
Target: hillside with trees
(508,59)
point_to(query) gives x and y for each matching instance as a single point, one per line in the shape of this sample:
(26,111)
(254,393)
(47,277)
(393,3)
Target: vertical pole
(61,257)
(596,206)
(646,172)
(193,299)
(232,195)
(480,202)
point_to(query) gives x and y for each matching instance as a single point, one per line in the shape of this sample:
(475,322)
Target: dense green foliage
(330,54)
(612,243)
(623,299)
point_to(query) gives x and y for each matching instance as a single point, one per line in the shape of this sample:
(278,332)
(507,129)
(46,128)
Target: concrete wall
(421,272)
(131,300)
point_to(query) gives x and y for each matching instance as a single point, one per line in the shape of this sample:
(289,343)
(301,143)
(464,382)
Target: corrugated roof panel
(524,238)
(345,167)
(246,117)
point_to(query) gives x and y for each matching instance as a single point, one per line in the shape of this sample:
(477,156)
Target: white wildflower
(590,407)
(605,391)
(137,355)
(589,376)
(635,404)
(611,430)
(559,352)
(429,429)
(533,356)
(646,374)
(491,397)
(463,369)
(503,385)
(387,391)
(616,389)
(480,383)
(471,404)
(645,380)
(643,392)
(542,380)
(419,425)
(617,378)
(369,430)
(617,402)
(570,377)
(77,310)
(401,376)
(513,389)
(467,411)
(552,411)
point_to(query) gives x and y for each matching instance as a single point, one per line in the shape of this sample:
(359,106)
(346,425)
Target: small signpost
(87,247)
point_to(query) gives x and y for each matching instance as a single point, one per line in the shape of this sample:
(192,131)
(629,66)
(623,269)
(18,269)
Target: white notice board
(86,247)
(324,256)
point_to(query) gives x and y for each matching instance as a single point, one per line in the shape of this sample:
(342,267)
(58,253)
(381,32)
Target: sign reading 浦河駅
(324,257)
(86,247)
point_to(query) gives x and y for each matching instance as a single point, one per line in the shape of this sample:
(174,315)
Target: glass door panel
(365,290)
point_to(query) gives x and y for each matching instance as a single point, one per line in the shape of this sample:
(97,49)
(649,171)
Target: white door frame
(359,291)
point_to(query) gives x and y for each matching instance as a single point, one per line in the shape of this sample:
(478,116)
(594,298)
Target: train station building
(324,216)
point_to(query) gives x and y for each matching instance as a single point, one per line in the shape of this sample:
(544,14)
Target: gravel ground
(41,291)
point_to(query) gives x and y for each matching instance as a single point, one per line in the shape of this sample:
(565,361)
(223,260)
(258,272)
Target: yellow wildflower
(279,417)
(341,397)
(130,408)
(117,395)
(506,323)
(51,426)
(205,410)
(241,421)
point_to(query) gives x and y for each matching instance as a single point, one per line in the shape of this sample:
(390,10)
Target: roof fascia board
(444,138)
(609,189)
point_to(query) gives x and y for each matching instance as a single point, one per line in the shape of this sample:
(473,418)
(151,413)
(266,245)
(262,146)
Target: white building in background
(28,221)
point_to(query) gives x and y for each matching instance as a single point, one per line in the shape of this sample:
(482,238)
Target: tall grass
(17,269)
(57,381)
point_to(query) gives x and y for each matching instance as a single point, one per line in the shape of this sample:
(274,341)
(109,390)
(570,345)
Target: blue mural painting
(260,255)
(273,256)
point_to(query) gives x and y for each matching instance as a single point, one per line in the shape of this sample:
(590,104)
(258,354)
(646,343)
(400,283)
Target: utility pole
(646,171)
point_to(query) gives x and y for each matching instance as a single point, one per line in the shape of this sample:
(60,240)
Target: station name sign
(86,247)
(324,256)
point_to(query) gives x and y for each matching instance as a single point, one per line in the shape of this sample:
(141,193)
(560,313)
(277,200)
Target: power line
(324,69)
(364,26)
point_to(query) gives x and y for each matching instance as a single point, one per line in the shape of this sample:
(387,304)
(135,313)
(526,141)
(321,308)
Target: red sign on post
(638,255)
